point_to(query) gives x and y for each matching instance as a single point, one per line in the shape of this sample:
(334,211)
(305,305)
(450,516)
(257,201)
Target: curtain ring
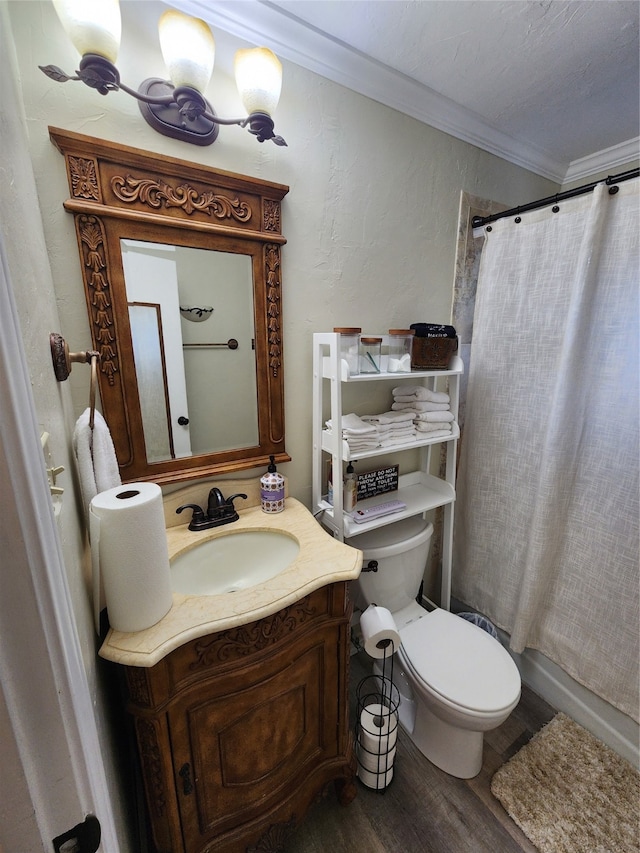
(555,208)
(518,219)
(613,190)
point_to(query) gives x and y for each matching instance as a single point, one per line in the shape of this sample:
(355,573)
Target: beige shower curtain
(546,538)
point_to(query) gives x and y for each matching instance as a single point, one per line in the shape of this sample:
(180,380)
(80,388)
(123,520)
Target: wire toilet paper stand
(377,724)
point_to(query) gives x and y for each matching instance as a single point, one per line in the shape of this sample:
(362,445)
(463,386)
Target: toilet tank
(401,550)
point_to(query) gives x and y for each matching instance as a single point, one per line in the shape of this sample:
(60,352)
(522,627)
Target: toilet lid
(461,662)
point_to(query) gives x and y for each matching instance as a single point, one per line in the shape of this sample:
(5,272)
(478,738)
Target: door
(53,775)
(239,748)
(152,282)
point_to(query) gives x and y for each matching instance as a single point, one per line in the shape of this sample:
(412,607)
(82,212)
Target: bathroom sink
(232,562)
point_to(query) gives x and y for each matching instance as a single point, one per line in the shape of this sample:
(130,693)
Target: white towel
(353,425)
(428,416)
(392,429)
(359,443)
(395,431)
(405,393)
(388,417)
(438,433)
(432,407)
(390,441)
(360,446)
(419,406)
(436,426)
(97,464)
(433,417)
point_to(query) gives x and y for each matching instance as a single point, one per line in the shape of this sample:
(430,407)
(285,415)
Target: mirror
(181,268)
(192,331)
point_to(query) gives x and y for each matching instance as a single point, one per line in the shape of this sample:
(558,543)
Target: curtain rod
(479,221)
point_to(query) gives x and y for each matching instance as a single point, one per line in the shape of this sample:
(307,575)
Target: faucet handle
(232,498)
(198,513)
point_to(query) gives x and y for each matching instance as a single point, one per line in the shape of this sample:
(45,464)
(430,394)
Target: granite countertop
(321,560)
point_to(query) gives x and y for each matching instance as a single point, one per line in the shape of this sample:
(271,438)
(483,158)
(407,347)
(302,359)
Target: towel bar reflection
(232,343)
(63,361)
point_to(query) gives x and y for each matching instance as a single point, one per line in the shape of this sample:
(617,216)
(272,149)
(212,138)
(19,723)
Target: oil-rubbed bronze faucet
(219,511)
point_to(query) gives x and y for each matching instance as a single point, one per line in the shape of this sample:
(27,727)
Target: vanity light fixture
(174,107)
(196,313)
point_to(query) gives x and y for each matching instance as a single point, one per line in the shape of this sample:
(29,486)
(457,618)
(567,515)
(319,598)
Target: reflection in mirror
(197,394)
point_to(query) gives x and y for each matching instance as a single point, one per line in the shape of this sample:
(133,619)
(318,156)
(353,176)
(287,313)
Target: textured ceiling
(547,84)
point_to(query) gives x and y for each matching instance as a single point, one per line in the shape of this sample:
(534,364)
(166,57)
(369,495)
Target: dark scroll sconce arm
(171,110)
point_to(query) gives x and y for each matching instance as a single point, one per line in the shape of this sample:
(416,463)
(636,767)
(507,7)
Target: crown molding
(259,22)
(609,158)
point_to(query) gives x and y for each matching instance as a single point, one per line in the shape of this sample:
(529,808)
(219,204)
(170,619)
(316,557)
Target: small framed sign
(377,482)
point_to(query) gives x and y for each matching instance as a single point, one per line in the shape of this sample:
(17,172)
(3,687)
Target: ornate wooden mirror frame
(118,192)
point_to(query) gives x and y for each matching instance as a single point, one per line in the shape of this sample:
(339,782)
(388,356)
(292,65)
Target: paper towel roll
(379,632)
(377,781)
(378,730)
(129,552)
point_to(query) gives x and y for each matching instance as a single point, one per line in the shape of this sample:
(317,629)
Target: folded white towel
(425,426)
(427,416)
(361,439)
(96,456)
(399,439)
(437,433)
(420,407)
(434,417)
(432,407)
(405,426)
(394,429)
(396,432)
(419,392)
(360,446)
(393,417)
(364,442)
(354,425)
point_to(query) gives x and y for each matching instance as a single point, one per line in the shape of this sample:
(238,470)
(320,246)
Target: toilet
(455,680)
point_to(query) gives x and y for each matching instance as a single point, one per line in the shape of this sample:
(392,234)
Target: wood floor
(424,810)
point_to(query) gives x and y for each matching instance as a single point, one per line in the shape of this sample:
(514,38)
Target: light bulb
(188,49)
(93,27)
(259,79)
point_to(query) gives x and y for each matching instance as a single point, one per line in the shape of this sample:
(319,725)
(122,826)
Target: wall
(371,223)
(371,215)
(39,723)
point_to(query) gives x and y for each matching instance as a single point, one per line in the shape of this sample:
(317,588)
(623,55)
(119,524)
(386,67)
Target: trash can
(481,622)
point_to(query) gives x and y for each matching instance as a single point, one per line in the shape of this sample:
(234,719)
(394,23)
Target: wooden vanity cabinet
(239,731)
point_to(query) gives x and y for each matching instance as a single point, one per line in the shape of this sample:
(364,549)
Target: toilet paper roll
(379,632)
(129,553)
(376,763)
(377,781)
(378,730)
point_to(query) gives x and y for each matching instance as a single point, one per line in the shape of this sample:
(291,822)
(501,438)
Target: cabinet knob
(183,421)
(185,774)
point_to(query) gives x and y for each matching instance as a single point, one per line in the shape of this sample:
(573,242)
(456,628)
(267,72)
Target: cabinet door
(241,746)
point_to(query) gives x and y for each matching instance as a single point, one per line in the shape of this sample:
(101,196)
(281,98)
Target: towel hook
(63,361)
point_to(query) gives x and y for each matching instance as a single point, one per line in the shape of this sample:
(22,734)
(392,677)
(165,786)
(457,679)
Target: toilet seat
(460,663)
